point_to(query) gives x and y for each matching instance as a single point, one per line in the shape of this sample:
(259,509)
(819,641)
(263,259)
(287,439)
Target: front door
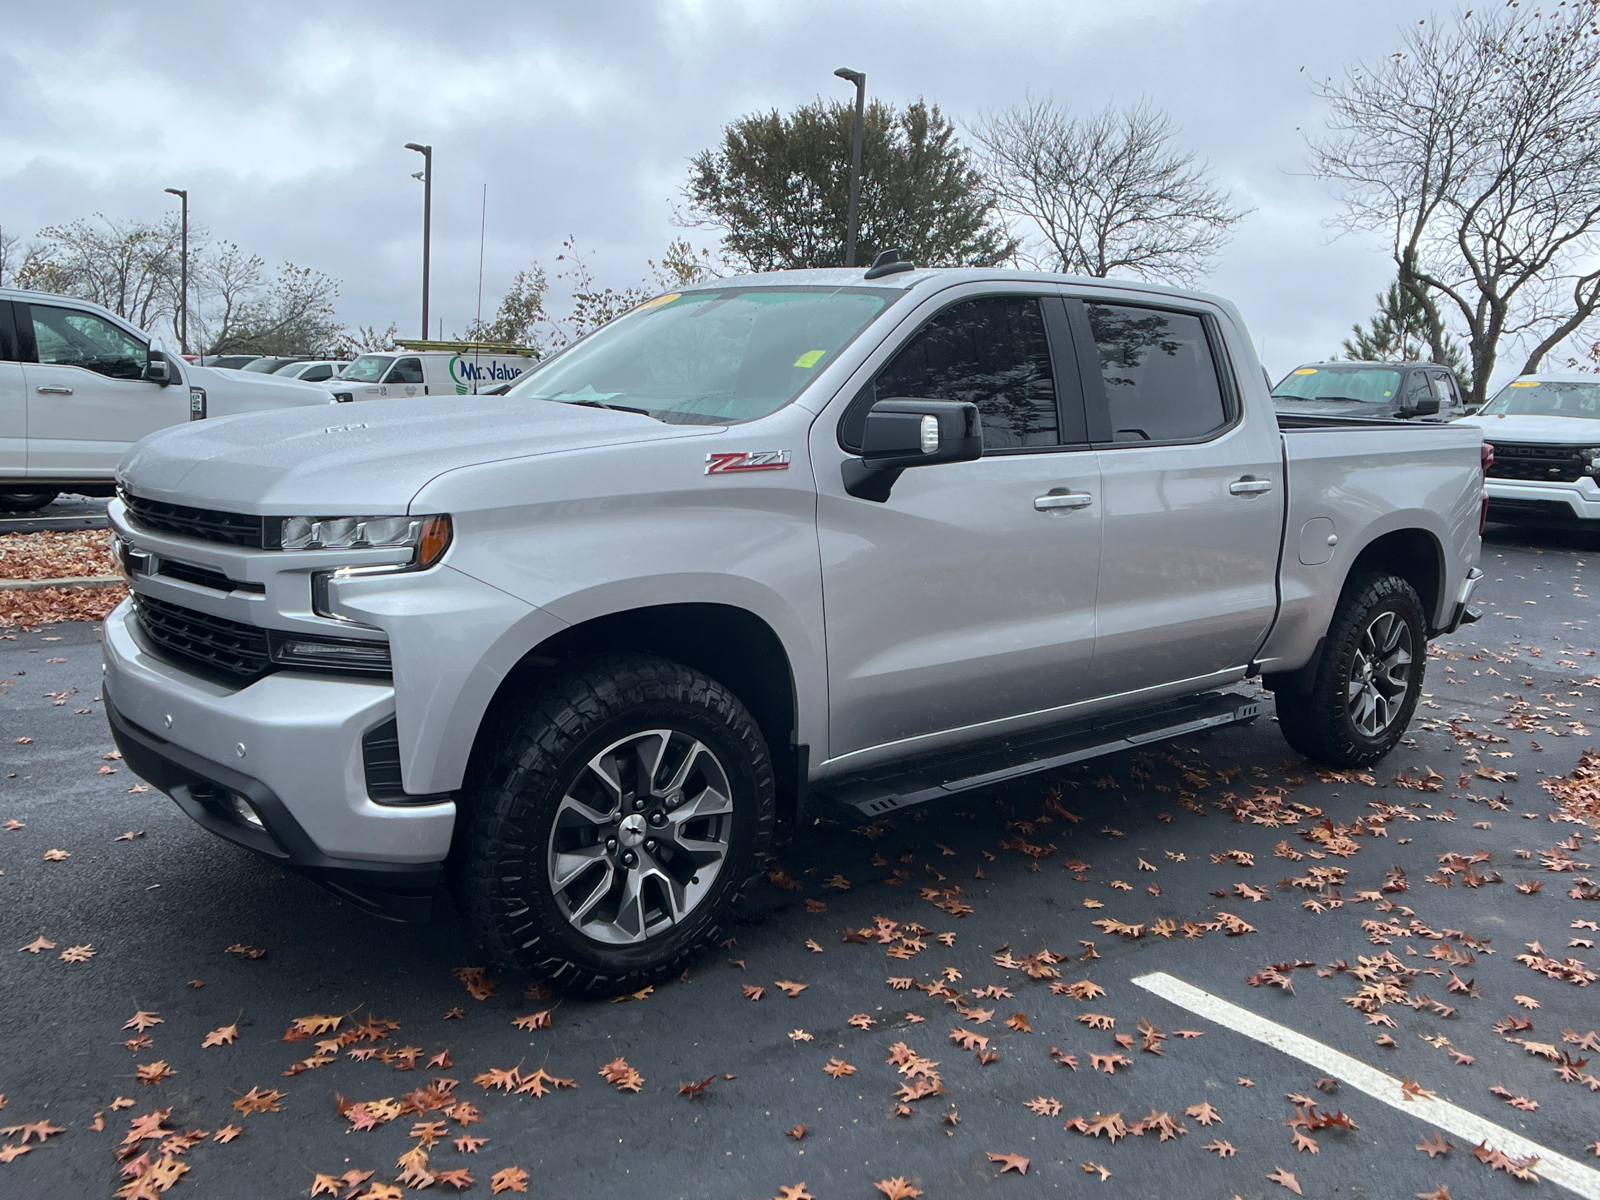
(88,399)
(1193,500)
(968,596)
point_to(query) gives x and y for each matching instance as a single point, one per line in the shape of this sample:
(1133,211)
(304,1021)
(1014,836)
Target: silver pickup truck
(771,543)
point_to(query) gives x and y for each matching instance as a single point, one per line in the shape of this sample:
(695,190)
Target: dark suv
(1405,391)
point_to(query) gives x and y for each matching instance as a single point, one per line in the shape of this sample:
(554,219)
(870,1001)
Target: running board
(898,785)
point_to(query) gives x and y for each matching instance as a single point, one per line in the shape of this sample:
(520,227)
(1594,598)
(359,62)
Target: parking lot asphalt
(1207,862)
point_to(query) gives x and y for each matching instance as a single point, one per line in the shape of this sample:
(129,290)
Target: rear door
(87,397)
(1192,498)
(968,596)
(13,402)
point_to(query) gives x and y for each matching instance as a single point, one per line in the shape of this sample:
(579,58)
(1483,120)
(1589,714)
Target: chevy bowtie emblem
(747,460)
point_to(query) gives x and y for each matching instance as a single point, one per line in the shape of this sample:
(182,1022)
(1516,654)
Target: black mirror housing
(901,433)
(1426,407)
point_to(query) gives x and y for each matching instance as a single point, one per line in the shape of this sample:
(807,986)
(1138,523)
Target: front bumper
(1515,499)
(293,744)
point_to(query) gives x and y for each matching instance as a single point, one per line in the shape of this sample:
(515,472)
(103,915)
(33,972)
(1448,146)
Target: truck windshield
(709,357)
(1361,384)
(1539,398)
(369,368)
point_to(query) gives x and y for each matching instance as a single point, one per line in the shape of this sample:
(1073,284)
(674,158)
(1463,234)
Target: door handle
(52,389)
(1250,487)
(1062,500)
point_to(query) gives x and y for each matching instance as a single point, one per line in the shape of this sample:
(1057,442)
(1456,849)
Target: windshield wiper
(614,407)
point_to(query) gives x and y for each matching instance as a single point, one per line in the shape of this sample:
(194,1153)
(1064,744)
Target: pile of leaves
(1579,793)
(63,554)
(49,605)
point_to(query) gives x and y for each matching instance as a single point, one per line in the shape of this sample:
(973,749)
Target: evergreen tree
(1398,332)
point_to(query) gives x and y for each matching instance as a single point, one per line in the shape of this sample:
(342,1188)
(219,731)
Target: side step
(897,785)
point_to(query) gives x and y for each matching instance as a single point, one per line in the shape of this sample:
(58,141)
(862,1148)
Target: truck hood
(229,393)
(371,459)
(1551,431)
(1332,408)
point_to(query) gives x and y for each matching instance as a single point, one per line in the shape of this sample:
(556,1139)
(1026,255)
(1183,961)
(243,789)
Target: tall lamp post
(427,221)
(859,78)
(183,319)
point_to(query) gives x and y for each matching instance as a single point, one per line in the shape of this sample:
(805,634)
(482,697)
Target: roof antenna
(888,263)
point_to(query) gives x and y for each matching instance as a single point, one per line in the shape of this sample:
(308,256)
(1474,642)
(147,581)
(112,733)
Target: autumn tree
(129,267)
(1106,192)
(1475,151)
(777,188)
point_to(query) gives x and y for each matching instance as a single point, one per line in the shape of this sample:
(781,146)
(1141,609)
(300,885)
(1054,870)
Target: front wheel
(26,501)
(1369,678)
(619,818)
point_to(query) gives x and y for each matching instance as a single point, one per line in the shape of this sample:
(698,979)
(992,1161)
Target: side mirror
(901,433)
(1470,411)
(1427,406)
(158,370)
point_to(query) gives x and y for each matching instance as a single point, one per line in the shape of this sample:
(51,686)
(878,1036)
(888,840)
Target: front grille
(206,577)
(1513,460)
(232,648)
(204,524)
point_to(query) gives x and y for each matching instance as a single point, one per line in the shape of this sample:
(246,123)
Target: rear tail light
(1486,456)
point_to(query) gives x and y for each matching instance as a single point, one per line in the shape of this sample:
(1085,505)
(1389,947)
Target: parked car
(1545,430)
(773,543)
(79,385)
(270,364)
(227,361)
(316,370)
(1406,391)
(466,371)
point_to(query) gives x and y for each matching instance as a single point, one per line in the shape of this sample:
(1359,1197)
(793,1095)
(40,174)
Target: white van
(430,369)
(79,385)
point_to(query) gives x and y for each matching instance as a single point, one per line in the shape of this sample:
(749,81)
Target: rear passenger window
(1442,391)
(991,352)
(1160,378)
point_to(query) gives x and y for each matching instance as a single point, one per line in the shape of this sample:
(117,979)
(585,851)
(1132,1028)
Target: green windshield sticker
(810,358)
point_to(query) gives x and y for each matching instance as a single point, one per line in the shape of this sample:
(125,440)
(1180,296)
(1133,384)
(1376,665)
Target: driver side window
(407,370)
(67,337)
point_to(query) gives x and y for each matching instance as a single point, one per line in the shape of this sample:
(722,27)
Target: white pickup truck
(772,543)
(79,385)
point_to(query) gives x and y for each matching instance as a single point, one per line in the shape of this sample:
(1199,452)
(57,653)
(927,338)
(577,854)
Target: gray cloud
(286,122)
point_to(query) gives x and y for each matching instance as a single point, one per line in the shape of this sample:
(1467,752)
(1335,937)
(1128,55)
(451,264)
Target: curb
(79,581)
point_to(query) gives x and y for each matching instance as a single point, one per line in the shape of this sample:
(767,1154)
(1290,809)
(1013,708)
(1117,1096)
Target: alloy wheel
(1380,674)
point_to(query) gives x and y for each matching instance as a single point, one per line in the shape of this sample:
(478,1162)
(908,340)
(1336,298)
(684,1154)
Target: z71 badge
(747,460)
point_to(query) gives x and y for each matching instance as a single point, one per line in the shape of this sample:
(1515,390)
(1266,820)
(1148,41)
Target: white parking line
(1469,1126)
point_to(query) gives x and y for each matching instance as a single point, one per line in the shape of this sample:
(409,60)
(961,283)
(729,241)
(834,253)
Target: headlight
(428,537)
(1591,460)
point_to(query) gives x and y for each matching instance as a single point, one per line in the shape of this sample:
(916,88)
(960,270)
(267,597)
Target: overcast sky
(286,122)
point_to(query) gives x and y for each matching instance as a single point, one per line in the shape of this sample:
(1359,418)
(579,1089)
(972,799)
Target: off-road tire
(1319,723)
(26,501)
(531,755)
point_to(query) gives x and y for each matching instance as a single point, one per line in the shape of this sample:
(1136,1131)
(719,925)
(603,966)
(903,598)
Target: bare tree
(129,267)
(1476,149)
(1103,193)
(8,256)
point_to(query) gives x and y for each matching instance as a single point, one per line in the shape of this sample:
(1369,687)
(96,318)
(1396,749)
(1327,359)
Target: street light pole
(427,221)
(859,78)
(183,327)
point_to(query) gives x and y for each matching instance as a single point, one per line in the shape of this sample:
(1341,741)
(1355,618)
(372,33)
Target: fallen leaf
(512,1179)
(1435,1146)
(1285,1179)
(256,1100)
(57,855)
(38,944)
(1204,1113)
(790,988)
(1045,1106)
(1526,1001)
(618,1072)
(222,1036)
(1011,1162)
(751,992)
(798,1133)
(1221,1148)
(154,1072)
(794,1191)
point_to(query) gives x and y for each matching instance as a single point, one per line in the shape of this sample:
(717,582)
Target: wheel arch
(1412,553)
(732,645)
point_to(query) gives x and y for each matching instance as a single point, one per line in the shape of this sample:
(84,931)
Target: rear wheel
(619,818)
(1369,678)
(26,501)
